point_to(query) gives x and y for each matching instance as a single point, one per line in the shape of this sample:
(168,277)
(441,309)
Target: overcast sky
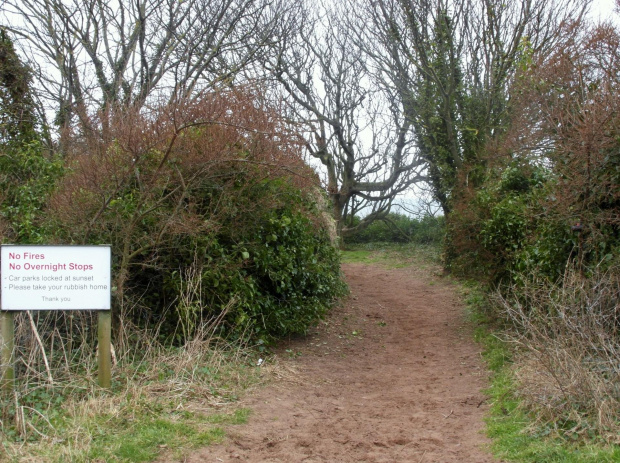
(603,9)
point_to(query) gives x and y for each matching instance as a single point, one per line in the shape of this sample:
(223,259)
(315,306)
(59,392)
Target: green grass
(147,437)
(359,256)
(516,437)
(136,429)
(160,404)
(392,255)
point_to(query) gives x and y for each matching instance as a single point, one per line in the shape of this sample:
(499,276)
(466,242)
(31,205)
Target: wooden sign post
(7,330)
(104,359)
(55,278)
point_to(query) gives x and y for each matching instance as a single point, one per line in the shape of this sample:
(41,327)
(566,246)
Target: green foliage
(18,119)
(516,224)
(547,251)
(508,226)
(399,228)
(507,229)
(27,178)
(295,270)
(269,274)
(27,172)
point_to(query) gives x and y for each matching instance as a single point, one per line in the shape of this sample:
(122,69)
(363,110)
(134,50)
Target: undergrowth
(163,399)
(518,434)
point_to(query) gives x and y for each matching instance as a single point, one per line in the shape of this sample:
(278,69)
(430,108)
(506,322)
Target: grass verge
(394,255)
(516,435)
(165,400)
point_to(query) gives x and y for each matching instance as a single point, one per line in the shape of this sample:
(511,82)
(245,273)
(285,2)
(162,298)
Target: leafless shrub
(50,344)
(569,372)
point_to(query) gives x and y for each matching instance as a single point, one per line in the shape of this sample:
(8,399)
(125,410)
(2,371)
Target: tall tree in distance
(354,126)
(27,171)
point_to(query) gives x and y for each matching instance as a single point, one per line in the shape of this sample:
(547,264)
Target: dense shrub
(27,178)
(208,206)
(275,275)
(294,269)
(506,229)
(556,167)
(399,228)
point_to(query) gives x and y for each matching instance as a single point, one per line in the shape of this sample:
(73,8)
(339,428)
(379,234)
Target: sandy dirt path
(392,376)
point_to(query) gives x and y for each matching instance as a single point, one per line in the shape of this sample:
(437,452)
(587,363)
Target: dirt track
(392,376)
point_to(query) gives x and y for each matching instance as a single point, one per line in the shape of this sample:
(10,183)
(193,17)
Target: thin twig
(36,335)
(448,415)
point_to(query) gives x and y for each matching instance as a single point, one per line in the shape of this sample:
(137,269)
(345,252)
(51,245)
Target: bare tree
(355,127)
(96,54)
(451,63)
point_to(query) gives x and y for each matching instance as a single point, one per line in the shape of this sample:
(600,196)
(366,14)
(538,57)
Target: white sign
(55,277)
